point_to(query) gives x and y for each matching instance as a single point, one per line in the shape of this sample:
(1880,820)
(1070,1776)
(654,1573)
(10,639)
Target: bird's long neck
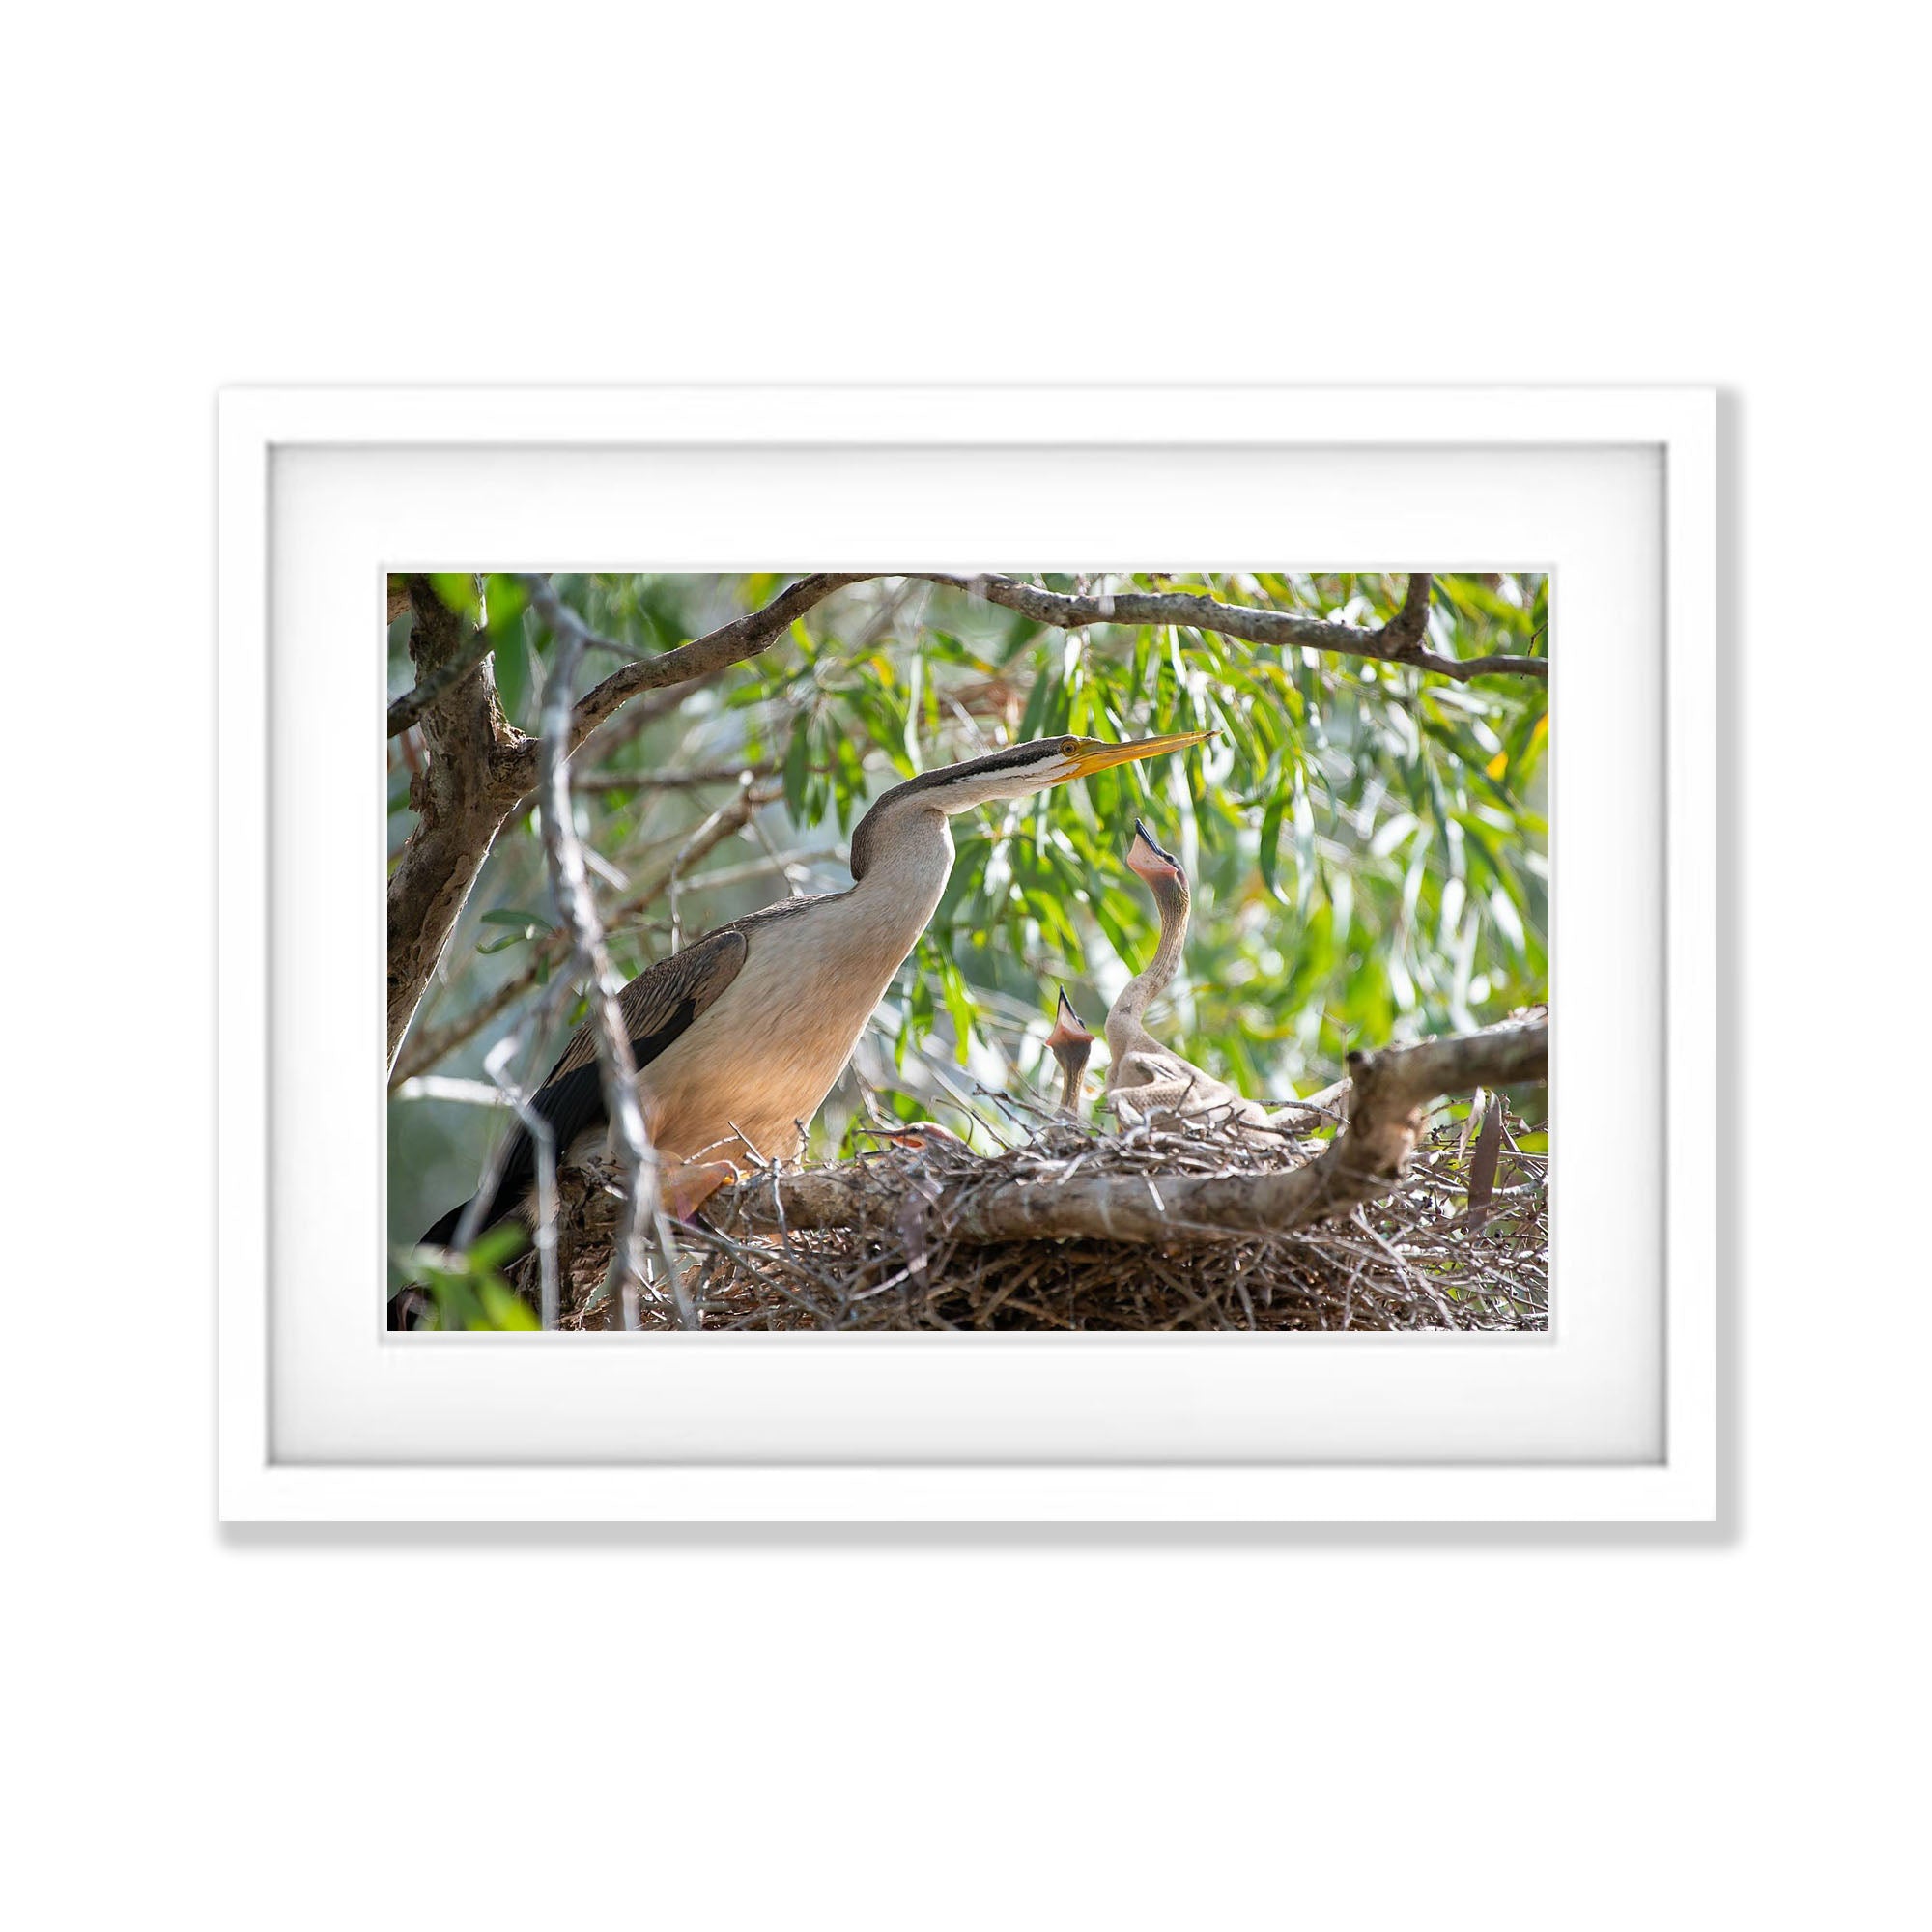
(1123,1017)
(1072,1070)
(908,859)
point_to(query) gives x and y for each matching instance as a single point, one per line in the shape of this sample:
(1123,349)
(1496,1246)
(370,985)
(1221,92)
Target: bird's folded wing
(662,1000)
(657,1006)
(1142,1067)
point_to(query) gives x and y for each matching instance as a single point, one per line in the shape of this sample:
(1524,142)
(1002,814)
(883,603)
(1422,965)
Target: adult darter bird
(739,1037)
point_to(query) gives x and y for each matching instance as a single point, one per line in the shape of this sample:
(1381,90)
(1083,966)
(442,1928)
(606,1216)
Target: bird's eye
(1068,746)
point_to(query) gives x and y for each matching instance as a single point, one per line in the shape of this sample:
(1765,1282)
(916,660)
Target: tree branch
(638,717)
(1390,1092)
(1409,626)
(703,657)
(423,1051)
(458,804)
(685,781)
(1397,642)
(634,718)
(479,771)
(577,909)
(404,711)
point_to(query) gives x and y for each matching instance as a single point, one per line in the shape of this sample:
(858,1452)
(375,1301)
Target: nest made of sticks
(1442,1249)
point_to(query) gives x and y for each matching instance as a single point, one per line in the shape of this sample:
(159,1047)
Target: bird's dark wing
(657,1007)
(660,1002)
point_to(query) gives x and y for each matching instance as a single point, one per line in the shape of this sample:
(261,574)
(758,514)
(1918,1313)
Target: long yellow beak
(1096,755)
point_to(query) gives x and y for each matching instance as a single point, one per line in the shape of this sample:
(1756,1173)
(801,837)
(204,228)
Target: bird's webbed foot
(687,1187)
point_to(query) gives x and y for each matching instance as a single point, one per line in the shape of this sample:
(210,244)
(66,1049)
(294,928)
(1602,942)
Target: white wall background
(427,1729)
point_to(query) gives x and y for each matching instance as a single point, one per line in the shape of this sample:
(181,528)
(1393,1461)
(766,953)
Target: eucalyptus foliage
(1367,842)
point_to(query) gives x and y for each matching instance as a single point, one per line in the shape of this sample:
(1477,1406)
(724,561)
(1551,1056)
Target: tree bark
(458,797)
(480,768)
(1397,642)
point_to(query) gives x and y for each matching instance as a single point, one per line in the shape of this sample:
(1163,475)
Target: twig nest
(1409,1260)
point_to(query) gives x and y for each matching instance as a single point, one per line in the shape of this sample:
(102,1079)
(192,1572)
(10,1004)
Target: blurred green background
(1368,843)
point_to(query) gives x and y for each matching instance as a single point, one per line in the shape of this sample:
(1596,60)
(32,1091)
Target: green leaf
(503,1242)
(506,599)
(458,592)
(513,672)
(798,767)
(1033,721)
(1270,850)
(502,1308)
(960,1009)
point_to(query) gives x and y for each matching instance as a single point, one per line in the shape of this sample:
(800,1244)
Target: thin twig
(675,780)
(437,1043)
(544,1139)
(730,644)
(404,711)
(577,909)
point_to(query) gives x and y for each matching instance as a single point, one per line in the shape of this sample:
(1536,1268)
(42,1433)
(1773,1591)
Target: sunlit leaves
(1390,821)
(473,1294)
(798,767)
(1367,845)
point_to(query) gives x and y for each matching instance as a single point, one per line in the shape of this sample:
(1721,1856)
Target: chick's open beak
(1147,859)
(1066,1028)
(1096,755)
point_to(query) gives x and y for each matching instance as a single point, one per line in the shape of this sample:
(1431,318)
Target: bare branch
(730,644)
(576,908)
(436,1043)
(481,772)
(1397,642)
(633,721)
(404,711)
(459,805)
(439,1087)
(1390,1092)
(615,732)
(673,781)
(1410,625)
(543,1138)
(425,1049)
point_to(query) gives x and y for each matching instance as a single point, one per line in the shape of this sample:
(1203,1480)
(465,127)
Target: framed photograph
(956,954)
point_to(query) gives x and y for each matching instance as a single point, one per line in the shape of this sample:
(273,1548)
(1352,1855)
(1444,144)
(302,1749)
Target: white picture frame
(1611,1418)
